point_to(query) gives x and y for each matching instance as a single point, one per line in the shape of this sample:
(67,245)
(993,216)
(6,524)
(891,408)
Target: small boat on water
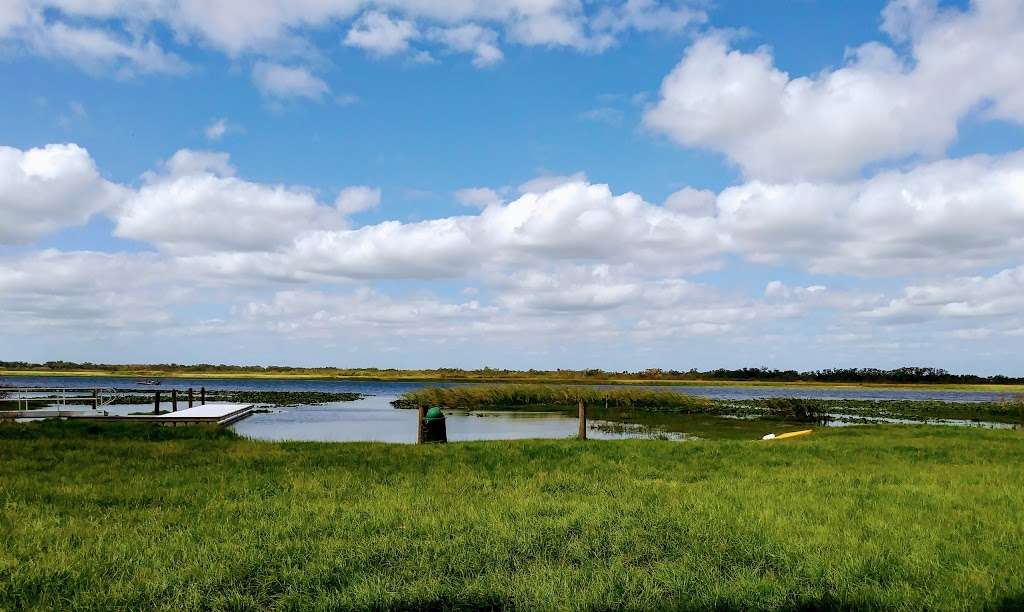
(147,382)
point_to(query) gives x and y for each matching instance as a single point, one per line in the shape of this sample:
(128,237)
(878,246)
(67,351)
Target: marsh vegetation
(622,400)
(547,396)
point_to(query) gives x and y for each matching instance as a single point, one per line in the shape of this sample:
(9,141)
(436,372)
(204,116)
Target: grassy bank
(405,376)
(901,518)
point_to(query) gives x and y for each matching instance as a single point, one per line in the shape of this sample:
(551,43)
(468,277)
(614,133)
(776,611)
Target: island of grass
(117,516)
(616,402)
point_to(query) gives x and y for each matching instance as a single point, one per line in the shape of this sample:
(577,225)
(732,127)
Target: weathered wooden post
(156,403)
(95,399)
(582,435)
(190,397)
(174,400)
(421,413)
(202,396)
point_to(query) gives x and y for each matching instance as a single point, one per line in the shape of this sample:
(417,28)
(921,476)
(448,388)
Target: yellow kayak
(791,434)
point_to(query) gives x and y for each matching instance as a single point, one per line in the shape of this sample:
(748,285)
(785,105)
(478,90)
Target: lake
(374,419)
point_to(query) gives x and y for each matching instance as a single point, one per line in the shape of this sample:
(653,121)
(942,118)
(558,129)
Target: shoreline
(954,387)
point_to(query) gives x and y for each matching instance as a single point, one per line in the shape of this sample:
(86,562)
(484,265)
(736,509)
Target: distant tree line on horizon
(837,375)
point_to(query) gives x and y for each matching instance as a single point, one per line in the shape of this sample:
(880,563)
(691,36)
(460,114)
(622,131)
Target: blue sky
(524,184)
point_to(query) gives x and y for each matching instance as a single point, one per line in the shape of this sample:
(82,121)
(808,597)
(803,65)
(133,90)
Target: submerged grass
(885,517)
(284,398)
(919,410)
(264,398)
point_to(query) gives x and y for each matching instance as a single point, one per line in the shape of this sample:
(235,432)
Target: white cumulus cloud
(49,188)
(197,205)
(879,106)
(951,214)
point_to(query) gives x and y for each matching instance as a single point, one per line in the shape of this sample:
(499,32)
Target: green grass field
(183,518)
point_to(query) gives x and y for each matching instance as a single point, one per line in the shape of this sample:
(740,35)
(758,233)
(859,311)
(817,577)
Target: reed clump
(541,396)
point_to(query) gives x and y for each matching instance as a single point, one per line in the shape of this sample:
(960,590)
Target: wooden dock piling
(174,400)
(582,435)
(190,397)
(156,403)
(202,396)
(421,413)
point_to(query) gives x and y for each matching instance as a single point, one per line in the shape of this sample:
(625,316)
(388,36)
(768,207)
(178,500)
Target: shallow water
(374,419)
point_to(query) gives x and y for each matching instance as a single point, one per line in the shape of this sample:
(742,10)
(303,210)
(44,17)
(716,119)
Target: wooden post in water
(156,403)
(95,399)
(202,396)
(421,413)
(582,435)
(174,400)
(190,397)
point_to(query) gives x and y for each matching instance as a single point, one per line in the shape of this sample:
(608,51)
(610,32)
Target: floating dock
(222,413)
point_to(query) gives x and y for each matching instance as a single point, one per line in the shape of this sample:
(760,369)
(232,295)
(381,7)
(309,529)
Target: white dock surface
(209,410)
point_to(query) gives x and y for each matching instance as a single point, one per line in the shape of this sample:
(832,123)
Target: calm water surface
(374,419)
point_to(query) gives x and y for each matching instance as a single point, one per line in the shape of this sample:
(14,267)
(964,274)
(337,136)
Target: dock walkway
(220,413)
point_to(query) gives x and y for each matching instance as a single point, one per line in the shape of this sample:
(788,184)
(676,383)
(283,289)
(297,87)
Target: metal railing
(95,397)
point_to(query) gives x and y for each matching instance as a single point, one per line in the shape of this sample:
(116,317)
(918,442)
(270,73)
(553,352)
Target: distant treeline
(834,375)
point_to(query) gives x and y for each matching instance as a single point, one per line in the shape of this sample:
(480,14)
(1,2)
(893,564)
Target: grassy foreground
(895,517)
